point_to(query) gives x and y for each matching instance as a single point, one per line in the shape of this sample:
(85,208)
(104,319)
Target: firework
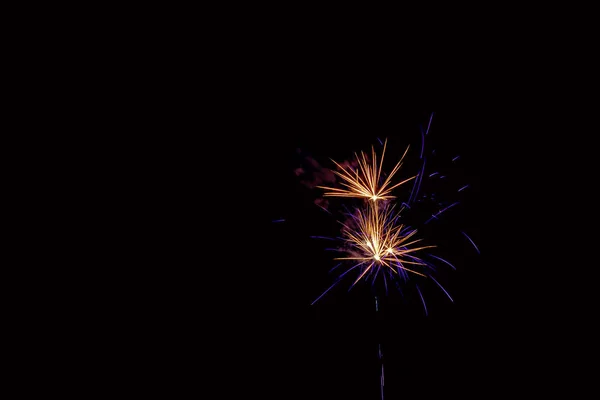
(365,181)
(378,243)
(374,241)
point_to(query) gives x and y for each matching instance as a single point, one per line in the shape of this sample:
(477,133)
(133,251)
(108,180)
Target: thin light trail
(335,283)
(380,354)
(429,123)
(470,240)
(441,287)
(417,184)
(322,237)
(422,299)
(442,260)
(441,211)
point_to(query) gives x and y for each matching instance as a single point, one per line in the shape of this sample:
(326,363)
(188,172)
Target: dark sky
(235,289)
(329,350)
(232,290)
(213,288)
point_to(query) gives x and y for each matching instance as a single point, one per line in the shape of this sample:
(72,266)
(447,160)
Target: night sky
(201,294)
(234,292)
(329,349)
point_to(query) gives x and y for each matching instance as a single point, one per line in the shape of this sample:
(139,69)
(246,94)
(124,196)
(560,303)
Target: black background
(329,349)
(222,299)
(234,292)
(199,294)
(220,296)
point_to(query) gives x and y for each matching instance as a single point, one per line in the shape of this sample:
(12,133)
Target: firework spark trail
(441,287)
(435,216)
(385,283)
(335,283)
(323,208)
(470,240)
(422,143)
(425,134)
(442,260)
(422,299)
(417,184)
(382,380)
(429,123)
(365,181)
(380,354)
(335,267)
(322,237)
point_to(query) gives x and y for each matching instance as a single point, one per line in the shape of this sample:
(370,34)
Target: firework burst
(378,243)
(366,181)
